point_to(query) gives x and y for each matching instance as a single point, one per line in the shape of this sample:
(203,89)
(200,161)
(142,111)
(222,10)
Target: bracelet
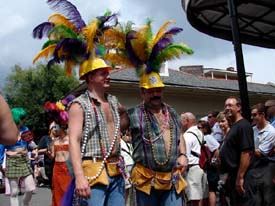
(184,154)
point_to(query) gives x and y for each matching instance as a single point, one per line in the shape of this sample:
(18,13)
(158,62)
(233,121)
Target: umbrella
(240,21)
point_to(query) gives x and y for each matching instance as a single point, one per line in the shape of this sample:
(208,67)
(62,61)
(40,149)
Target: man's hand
(183,163)
(240,186)
(82,187)
(2,170)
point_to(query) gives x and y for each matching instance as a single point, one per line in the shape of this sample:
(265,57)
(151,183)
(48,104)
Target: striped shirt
(143,151)
(95,129)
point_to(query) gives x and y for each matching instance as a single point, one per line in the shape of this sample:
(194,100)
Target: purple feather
(67,198)
(42,30)
(106,22)
(71,12)
(163,43)
(128,46)
(148,68)
(74,47)
(173,31)
(67,99)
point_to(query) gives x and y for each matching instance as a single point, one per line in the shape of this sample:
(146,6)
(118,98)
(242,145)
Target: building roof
(182,79)
(188,81)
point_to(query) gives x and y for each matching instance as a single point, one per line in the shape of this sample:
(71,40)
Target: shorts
(197,184)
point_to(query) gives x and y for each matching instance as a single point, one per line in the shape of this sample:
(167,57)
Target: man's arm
(8,129)
(75,133)
(244,163)
(182,159)
(124,119)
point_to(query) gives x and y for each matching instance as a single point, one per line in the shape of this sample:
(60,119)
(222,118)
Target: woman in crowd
(225,127)
(61,178)
(18,168)
(59,150)
(212,172)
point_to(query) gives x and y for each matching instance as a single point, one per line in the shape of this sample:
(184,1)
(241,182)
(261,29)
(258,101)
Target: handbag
(90,169)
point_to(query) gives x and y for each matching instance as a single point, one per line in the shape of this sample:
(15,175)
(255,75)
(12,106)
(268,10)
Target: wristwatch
(184,154)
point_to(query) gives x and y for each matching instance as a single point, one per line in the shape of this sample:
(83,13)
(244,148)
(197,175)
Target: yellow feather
(90,32)
(161,31)
(118,60)
(114,39)
(140,44)
(59,19)
(68,67)
(44,53)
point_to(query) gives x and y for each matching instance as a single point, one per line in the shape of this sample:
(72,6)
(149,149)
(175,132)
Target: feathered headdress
(70,40)
(145,51)
(57,111)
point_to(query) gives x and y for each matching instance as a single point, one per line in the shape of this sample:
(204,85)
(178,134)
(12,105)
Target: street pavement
(41,197)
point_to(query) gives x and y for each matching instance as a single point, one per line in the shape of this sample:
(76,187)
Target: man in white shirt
(196,178)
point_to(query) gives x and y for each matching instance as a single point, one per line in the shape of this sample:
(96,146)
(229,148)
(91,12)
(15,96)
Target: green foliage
(31,88)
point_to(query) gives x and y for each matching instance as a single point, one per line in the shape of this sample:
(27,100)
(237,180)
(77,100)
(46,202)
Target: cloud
(18,18)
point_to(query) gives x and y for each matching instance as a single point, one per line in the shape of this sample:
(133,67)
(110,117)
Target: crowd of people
(100,153)
(152,156)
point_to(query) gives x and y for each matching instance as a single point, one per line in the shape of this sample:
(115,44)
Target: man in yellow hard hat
(94,128)
(159,152)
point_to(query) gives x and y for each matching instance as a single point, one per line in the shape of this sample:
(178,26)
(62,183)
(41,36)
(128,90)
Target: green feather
(49,42)
(61,31)
(107,13)
(170,52)
(148,38)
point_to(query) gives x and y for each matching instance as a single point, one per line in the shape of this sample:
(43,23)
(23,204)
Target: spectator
(216,130)
(197,184)
(212,171)
(44,149)
(17,164)
(236,155)
(263,170)
(127,152)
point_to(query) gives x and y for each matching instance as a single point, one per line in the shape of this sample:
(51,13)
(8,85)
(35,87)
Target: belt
(191,165)
(99,159)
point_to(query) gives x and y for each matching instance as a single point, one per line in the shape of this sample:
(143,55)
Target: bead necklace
(117,129)
(152,140)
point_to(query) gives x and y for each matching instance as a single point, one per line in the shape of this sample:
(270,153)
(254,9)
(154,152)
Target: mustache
(155,98)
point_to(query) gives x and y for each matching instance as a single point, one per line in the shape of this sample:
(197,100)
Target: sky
(18,18)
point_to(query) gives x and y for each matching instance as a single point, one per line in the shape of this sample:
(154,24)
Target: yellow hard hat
(151,80)
(91,65)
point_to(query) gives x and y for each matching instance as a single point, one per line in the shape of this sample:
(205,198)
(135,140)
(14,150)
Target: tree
(31,88)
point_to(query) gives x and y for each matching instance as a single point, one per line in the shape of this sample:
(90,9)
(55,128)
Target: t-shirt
(239,138)
(192,144)
(44,143)
(217,133)
(211,142)
(265,139)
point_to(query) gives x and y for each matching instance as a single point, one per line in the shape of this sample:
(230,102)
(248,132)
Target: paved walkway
(41,197)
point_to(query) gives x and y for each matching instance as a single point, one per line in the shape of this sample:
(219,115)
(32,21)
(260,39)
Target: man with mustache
(159,152)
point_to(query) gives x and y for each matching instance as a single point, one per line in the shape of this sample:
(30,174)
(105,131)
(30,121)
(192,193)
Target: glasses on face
(254,115)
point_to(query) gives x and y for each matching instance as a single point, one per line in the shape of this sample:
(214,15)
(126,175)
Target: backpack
(205,156)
